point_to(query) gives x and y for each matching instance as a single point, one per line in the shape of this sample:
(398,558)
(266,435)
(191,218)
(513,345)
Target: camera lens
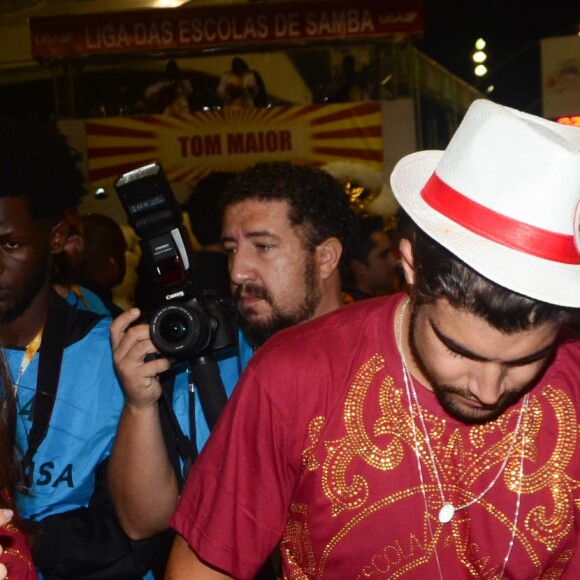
(173,328)
(180,330)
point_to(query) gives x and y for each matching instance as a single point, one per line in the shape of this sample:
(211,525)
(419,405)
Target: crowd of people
(240,87)
(391,401)
(243,87)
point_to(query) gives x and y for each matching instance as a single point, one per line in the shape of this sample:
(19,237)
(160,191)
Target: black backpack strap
(54,336)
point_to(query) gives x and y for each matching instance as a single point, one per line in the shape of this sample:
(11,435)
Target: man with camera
(285,228)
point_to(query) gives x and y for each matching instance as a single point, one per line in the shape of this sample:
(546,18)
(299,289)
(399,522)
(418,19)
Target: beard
(33,285)
(258,332)
(447,395)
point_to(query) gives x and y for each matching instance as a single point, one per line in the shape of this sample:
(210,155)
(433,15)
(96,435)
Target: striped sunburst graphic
(191,146)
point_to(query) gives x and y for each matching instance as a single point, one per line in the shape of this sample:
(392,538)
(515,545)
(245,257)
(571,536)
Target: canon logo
(174,295)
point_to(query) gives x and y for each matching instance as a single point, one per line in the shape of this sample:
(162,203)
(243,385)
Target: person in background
(60,361)
(429,435)
(170,95)
(124,293)
(346,86)
(210,274)
(74,246)
(241,86)
(285,227)
(371,269)
(66,263)
(103,264)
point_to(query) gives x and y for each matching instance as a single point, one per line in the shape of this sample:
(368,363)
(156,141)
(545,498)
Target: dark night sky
(512,29)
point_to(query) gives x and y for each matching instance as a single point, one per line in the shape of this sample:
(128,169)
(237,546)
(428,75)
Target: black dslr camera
(184,326)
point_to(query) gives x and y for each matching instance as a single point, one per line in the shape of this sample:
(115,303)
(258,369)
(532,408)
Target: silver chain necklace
(448,510)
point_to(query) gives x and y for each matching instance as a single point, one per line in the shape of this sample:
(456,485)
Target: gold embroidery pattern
(397,560)
(297,545)
(14,553)
(309,461)
(18,554)
(462,462)
(549,528)
(359,444)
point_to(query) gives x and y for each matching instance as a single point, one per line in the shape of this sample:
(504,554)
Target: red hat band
(499,228)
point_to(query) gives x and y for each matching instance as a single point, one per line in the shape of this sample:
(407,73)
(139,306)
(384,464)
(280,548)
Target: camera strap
(49,365)
(204,377)
(178,444)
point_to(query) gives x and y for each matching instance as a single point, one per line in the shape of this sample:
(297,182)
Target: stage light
(479,56)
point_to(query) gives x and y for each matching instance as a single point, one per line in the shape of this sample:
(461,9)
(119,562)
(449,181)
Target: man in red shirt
(430,434)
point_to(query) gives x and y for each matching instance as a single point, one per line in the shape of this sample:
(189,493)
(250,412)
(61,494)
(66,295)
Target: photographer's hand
(138,374)
(142,480)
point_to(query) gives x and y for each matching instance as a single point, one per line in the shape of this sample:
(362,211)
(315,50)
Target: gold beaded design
(11,555)
(378,439)
(549,526)
(298,536)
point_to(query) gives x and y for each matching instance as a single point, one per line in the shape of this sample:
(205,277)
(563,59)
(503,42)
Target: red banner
(228,25)
(191,146)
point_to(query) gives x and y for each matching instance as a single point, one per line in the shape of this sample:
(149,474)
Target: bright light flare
(479,57)
(480,70)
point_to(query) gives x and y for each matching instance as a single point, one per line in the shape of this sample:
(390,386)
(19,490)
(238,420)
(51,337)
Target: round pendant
(446,513)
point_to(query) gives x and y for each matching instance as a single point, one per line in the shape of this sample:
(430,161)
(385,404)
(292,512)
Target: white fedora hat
(504,197)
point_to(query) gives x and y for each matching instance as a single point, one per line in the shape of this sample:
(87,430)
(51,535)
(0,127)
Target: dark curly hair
(317,202)
(37,163)
(441,274)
